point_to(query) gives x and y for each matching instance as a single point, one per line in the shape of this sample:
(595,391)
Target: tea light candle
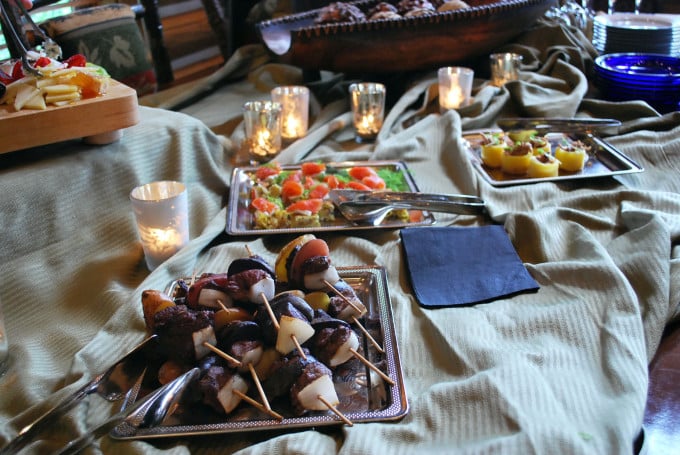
(455,87)
(262,122)
(294,101)
(368,108)
(504,68)
(161,213)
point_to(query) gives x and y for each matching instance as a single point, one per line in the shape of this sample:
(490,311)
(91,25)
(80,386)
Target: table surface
(564,367)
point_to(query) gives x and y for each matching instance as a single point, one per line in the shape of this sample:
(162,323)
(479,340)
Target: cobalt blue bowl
(654,78)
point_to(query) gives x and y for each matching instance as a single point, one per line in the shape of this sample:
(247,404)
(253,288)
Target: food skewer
(277,326)
(354,319)
(262,407)
(238,363)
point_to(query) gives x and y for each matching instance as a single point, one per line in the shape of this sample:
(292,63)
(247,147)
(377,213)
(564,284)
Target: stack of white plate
(629,32)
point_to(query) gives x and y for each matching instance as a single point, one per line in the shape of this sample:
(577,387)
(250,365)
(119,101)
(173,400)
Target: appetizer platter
(55,101)
(111,113)
(277,199)
(295,344)
(355,37)
(523,157)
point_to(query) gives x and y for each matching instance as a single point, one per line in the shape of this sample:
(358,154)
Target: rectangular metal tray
(240,219)
(604,160)
(364,396)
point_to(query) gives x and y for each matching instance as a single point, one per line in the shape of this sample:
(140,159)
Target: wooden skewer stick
(335,410)
(297,345)
(375,344)
(222,305)
(258,405)
(258,384)
(276,324)
(343,297)
(371,366)
(356,321)
(269,310)
(222,354)
(250,252)
(256,379)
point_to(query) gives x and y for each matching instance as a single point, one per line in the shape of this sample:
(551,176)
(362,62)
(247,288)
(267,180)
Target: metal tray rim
(629,166)
(234,201)
(398,408)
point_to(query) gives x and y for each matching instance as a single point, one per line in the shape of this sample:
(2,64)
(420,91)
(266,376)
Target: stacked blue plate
(644,33)
(653,78)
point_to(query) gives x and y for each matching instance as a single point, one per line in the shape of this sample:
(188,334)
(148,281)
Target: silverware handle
(558,124)
(28,433)
(422,201)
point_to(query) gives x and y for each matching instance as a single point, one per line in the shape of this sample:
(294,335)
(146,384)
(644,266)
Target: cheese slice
(23,95)
(36,102)
(59,89)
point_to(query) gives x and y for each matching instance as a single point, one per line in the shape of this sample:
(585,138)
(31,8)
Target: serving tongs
(114,384)
(560,125)
(372,207)
(49,47)
(148,412)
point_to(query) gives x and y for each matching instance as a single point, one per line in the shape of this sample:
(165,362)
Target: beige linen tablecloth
(563,370)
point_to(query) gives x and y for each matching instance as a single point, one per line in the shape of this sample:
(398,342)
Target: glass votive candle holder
(504,67)
(262,122)
(368,109)
(294,101)
(162,217)
(455,87)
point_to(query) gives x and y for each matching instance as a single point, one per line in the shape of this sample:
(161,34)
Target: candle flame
(292,127)
(161,242)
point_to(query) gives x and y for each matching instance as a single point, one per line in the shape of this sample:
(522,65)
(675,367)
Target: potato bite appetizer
(543,165)
(572,156)
(516,160)
(493,147)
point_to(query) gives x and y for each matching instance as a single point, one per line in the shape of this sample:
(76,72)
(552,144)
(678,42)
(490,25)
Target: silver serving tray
(240,219)
(364,396)
(604,160)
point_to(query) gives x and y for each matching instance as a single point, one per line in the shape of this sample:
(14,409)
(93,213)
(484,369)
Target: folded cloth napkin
(451,266)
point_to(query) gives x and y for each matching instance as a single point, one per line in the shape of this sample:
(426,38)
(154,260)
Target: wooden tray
(97,120)
(404,44)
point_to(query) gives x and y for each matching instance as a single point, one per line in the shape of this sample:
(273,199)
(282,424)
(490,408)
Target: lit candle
(504,68)
(368,109)
(367,125)
(455,87)
(292,127)
(294,101)
(159,243)
(262,122)
(162,219)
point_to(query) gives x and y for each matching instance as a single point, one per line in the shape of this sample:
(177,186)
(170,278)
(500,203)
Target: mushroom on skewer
(334,343)
(286,323)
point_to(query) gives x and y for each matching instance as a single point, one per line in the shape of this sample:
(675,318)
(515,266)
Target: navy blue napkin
(451,266)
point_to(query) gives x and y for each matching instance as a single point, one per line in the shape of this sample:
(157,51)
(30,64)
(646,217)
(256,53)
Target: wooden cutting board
(96,119)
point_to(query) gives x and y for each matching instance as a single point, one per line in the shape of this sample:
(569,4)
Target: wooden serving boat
(404,44)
